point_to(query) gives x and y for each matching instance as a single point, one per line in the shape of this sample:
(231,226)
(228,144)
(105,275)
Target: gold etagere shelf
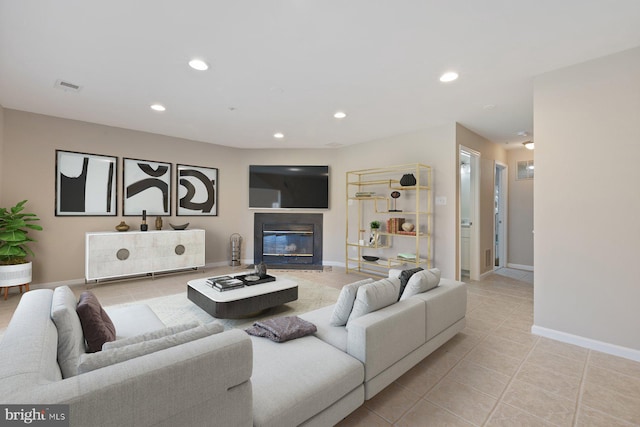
(365,203)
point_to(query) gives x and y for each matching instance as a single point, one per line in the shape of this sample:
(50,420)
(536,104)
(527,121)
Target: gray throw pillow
(92,361)
(344,305)
(420,282)
(374,296)
(151,335)
(70,337)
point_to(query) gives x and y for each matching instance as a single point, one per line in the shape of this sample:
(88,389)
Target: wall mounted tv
(288,187)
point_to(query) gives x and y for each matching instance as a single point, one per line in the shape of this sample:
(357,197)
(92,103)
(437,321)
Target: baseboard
(520,266)
(603,347)
(485,274)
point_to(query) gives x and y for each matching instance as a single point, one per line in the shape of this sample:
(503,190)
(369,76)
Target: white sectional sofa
(230,378)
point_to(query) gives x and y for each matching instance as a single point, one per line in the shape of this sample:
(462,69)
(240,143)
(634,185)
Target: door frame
(474,229)
(500,230)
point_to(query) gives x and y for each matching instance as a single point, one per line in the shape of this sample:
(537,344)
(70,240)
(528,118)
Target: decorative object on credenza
(158,223)
(408,180)
(197,188)
(15,226)
(147,185)
(179,227)
(123,226)
(261,270)
(394,196)
(407,226)
(144,226)
(85,184)
(370,258)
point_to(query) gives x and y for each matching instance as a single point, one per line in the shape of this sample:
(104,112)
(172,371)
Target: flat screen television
(288,187)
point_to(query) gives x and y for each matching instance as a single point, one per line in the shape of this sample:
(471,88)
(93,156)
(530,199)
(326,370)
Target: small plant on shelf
(375,225)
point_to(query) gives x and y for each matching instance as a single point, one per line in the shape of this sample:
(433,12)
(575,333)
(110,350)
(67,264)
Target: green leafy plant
(374,225)
(14,238)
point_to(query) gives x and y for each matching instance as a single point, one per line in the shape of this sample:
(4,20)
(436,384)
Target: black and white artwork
(85,184)
(197,191)
(147,186)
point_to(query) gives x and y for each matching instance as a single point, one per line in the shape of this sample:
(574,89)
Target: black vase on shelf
(408,180)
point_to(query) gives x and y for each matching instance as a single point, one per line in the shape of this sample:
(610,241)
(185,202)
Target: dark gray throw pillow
(97,326)
(404,278)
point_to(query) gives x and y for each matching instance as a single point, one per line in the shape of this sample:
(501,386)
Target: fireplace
(288,240)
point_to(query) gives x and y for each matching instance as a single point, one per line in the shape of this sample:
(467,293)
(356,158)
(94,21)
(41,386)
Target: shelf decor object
(398,245)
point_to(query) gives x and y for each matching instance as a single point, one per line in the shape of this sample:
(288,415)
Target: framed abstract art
(86,184)
(197,189)
(146,186)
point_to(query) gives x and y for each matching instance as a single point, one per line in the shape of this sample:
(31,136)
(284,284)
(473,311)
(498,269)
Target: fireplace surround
(288,240)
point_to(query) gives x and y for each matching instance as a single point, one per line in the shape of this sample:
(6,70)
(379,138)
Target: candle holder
(144,226)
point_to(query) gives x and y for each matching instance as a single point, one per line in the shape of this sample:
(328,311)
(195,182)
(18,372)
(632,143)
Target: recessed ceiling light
(278,135)
(158,107)
(522,133)
(198,64)
(340,115)
(448,77)
(489,106)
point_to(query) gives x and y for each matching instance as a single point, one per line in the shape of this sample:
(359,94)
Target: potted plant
(15,224)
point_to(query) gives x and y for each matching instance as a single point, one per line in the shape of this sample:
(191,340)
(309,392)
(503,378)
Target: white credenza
(118,254)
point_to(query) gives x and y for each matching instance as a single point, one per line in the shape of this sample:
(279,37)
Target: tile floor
(494,373)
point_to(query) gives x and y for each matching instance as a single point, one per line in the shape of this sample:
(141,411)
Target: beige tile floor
(494,373)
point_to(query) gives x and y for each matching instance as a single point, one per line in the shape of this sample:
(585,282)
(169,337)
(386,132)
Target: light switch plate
(441,200)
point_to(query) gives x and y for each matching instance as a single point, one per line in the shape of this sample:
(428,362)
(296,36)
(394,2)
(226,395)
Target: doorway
(500,216)
(468,256)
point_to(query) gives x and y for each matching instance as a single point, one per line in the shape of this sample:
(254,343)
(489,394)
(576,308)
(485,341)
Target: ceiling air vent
(67,86)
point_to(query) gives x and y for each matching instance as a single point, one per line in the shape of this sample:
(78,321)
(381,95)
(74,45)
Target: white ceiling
(287,66)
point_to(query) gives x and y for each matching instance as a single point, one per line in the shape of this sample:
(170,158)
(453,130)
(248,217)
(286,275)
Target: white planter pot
(14,275)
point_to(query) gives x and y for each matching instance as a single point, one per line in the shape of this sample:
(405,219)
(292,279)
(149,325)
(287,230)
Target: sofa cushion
(148,336)
(70,337)
(295,380)
(134,319)
(334,335)
(90,362)
(420,282)
(374,296)
(405,275)
(344,305)
(97,327)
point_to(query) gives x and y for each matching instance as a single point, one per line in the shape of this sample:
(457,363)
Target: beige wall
(30,141)
(520,212)
(587,128)
(489,154)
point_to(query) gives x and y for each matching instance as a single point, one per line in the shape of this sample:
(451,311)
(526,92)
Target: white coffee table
(241,302)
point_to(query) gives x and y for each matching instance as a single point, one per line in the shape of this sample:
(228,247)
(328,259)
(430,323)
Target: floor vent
(66,86)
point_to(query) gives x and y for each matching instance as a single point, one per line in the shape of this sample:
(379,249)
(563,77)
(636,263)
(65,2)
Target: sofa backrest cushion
(420,282)
(70,337)
(344,305)
(28,349)
(97,327)
(90,362)
(148,336)
(374,296)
